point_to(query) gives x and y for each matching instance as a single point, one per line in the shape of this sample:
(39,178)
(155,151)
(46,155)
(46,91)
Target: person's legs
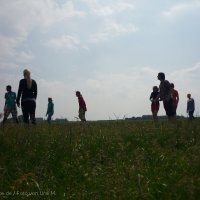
(155,115)
(49,118)
(168,106)
(191,115)
(7,112)
(25,111)
(154,110)
(14,114)
(32,107)
(82,115)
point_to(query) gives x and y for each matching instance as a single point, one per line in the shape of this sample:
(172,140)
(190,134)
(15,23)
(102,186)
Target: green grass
(101,160)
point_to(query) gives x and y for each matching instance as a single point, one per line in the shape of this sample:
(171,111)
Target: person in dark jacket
(27,92)
(82,106)
(165,96)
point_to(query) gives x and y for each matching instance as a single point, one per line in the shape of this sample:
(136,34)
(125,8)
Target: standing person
(154,98)
(10,105)
(165,96)
(50,110)
(82,106)
(27,92)
(175,97)
(190,106)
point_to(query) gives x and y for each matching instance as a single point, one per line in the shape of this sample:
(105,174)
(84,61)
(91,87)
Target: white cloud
(64,42)
(20,17)
(112,29)
(104,9)
(180,9)
(28,15)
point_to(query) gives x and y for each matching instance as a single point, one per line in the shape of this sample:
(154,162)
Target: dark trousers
(191,116)
(28,110)
(169,109)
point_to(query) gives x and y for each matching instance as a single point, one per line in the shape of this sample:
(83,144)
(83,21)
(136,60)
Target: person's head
(27,76)
(26,73)
(8,88)
(161,76)
(78,94)
(171,85)
(49,99)
(155,88)
(188,96)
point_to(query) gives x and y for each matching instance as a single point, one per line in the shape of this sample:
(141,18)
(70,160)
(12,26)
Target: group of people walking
(170,98)
(27,93)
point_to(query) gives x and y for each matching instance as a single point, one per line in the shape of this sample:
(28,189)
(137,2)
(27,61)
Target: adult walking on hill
(175,97)
(50,110)
(190,106)
(82,106)
(165,96)
(154,98)
(10,105)
(27,92)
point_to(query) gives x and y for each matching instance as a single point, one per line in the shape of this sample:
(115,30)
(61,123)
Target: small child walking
(50,110)
(154,98)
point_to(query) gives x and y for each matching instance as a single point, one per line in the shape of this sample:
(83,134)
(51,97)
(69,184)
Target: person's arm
(194,104)
(151,98)
(5,101)
(19,93)
(35,90)
(177,97)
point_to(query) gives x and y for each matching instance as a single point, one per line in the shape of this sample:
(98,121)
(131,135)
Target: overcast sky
(110,50)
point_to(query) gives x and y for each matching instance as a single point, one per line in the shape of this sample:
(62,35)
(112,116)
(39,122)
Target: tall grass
(101,160)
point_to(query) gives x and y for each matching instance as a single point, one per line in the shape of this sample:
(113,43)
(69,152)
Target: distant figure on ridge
(154,98)
(27,92)
(165,96)
(10,105)
(175,97)
(50,110)
(190,106)
(82,106)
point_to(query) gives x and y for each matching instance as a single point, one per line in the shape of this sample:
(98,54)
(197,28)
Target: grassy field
(101,160)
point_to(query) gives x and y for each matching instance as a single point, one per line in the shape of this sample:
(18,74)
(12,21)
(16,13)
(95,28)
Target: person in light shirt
(190,106)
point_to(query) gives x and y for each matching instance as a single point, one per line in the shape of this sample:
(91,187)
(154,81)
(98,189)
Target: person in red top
(154,98)
(175,97)
(82,106)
